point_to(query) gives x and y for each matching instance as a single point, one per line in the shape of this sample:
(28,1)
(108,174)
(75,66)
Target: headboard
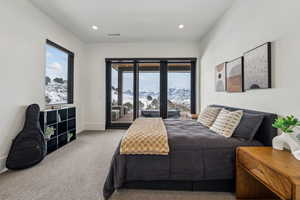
(266,131)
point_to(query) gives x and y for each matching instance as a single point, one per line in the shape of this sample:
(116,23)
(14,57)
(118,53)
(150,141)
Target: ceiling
(135,20)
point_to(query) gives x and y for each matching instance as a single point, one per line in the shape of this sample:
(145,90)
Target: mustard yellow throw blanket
(147,136)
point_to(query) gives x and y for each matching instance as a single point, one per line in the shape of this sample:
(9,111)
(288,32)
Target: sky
(56,63)
(150,81)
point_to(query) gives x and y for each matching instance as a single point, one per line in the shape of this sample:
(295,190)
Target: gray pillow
(248,126)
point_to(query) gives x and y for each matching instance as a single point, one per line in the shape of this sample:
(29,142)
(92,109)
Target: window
(149,87)
(59,74)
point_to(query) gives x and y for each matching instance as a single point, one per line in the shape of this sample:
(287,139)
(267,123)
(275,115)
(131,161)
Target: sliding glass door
(148,88)
(122,93)
(179,90)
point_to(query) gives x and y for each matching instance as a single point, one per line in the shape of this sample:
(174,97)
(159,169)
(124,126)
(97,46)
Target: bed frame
(265,134)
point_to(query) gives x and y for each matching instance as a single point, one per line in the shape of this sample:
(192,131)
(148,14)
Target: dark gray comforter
(196,153)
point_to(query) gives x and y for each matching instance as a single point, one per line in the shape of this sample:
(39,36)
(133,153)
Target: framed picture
(220,77)
(257,67)
(234,75)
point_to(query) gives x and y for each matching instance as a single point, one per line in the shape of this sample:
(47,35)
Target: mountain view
(149,90)
(178,99)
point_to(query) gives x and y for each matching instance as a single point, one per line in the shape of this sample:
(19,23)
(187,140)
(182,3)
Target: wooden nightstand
(265,173)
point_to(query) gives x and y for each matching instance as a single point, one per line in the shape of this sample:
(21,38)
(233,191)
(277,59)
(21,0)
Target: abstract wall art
(257,67)
(234,75)
(220,77)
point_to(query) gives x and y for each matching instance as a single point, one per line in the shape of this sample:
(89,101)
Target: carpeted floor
(77,172)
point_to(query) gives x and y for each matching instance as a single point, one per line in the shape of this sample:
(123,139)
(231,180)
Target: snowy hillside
(56,93)
(177,97)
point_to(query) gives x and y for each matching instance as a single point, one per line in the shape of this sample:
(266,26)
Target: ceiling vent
(114,34)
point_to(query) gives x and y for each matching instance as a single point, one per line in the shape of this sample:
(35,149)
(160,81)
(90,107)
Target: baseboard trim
(94,127)
(3,164)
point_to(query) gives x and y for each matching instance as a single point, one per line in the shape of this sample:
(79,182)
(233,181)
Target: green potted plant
(286,124)
(49,132)
(288,139)
(70,135)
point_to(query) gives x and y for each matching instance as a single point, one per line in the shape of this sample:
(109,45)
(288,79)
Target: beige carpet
(77,172)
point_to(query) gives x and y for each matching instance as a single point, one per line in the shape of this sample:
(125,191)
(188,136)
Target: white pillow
(208,116)
(226,122)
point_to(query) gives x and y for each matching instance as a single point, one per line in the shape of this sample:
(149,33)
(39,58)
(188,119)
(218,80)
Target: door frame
(163,85)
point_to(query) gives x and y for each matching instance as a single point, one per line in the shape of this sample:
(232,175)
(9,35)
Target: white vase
(288,141)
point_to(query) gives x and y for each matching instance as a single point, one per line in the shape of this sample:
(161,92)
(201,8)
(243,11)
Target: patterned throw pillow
(226,122)
(208,116)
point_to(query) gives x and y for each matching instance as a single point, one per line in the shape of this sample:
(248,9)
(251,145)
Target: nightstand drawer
(272,179)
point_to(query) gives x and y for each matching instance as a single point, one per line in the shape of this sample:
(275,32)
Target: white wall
(95,118)
(23,32)
(246,25)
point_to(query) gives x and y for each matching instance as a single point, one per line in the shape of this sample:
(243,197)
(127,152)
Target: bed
(199,159)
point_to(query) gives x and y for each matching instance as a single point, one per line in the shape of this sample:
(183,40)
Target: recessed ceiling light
(181,26)
(95,27)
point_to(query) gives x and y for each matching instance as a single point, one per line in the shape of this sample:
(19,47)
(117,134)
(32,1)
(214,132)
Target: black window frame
(163,84)
(71,57)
